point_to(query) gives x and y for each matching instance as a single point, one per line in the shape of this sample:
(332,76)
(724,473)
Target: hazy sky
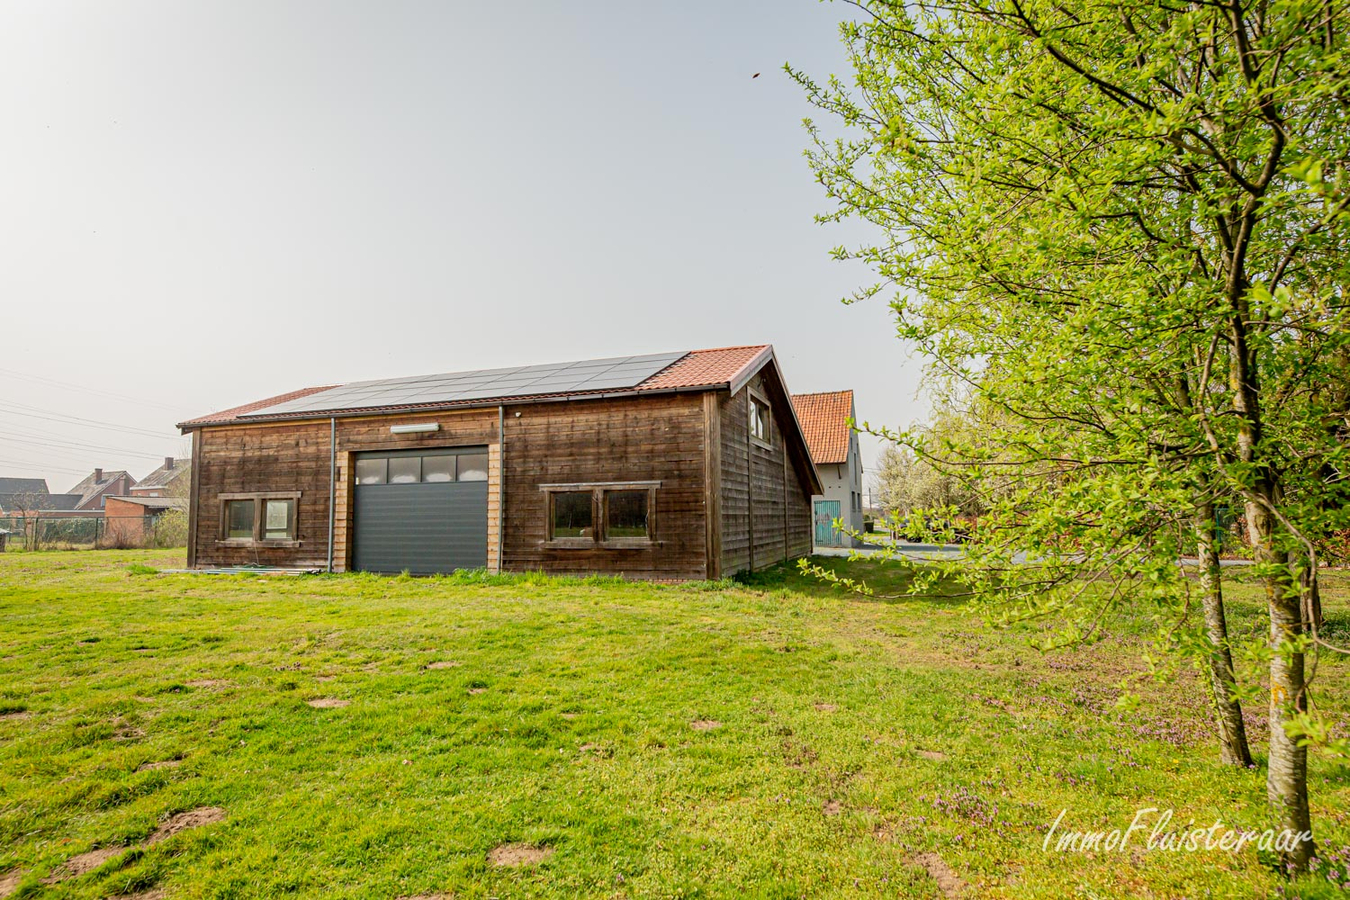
(209,203)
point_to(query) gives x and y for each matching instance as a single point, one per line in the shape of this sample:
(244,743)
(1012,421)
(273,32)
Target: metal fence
(46,532)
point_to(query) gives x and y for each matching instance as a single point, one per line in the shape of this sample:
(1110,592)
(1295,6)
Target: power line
(49,468)
(42,379)
(80,448)
(75,420)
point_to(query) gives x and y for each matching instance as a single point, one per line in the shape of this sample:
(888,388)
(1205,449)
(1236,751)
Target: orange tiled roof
(824,420)
(234,412)
(700,368)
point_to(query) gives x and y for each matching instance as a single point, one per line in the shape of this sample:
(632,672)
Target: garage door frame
(421,527)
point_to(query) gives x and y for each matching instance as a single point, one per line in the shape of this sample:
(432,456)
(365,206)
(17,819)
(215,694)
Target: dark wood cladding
(246,459)
(695,444)
(766,504)
(657,438)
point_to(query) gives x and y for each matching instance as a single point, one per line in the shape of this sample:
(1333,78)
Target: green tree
(1124,225)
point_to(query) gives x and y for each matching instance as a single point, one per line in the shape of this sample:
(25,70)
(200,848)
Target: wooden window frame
(756,440)
(600,538)
(257,539)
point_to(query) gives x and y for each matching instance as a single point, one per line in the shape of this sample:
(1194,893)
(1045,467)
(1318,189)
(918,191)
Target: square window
(372,471)
(239,519)
(405,469)
(573,516)
(626,514)
(473,467)
(438,468)
(760,425)
(278,520)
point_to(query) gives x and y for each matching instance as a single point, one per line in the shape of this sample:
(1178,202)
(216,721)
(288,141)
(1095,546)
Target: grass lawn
(783,740)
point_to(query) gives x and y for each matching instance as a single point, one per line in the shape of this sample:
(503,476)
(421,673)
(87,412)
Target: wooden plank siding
(658,438)
(766,505)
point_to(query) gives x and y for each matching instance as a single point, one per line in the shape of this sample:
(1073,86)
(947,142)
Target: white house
(824,419)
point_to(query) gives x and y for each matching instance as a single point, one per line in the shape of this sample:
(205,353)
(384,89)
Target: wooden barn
(670,466)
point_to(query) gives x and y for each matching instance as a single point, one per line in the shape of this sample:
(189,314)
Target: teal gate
(826,512)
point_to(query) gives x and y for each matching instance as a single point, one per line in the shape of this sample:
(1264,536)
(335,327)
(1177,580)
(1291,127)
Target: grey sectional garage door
(421,511)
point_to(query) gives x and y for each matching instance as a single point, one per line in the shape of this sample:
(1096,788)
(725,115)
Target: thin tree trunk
(1287,767)
(1287,774)
(1312,598)
(1233,749)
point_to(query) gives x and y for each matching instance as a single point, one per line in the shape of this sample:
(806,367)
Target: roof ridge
(732,347)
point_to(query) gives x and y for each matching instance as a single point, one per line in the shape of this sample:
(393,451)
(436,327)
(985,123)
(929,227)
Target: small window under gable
(761,421)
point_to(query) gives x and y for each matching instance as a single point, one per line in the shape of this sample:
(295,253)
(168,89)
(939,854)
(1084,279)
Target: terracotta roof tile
(234,412)
(824,420)
(701,368)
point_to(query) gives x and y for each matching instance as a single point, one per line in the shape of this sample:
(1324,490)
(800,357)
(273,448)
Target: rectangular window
(437,469)
(278,520)
(761,428)
(473,467)
(239,520)
(259,518)
(372,471)
(619,515)
(573,515)
(405,469)
(626,514)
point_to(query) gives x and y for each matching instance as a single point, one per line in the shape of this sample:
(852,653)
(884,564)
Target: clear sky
(208,203)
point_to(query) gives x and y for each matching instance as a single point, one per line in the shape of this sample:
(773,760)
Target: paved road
(955,551)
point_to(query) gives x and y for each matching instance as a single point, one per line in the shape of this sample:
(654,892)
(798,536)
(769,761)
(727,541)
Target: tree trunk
(1287,775)
(1312,598)
(1233,749)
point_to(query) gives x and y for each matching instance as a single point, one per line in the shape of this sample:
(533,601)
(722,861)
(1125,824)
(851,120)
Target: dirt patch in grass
(152,894)
(16,714)
(934,755)
(516,855)
(825,707)
(798,756)
(193,818)
(328,703)
(161,764)
(937,869)
(705,724)
(82,864)
(9,882)
(206,683)
(444,664)
(569,715)
(832,808)
(477,690)
(124,731)
(429,897)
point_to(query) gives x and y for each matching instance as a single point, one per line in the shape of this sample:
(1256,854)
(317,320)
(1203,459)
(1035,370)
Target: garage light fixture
(421,428)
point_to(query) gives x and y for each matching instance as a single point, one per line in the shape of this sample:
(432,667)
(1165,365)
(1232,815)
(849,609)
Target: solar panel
(618,373)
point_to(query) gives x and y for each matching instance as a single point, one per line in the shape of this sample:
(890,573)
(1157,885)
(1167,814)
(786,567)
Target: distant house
(683,465)
(173,479)
(98,486)
(834,450)
(20,496)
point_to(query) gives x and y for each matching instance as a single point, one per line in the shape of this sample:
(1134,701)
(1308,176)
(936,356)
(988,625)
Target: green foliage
(1123,225)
